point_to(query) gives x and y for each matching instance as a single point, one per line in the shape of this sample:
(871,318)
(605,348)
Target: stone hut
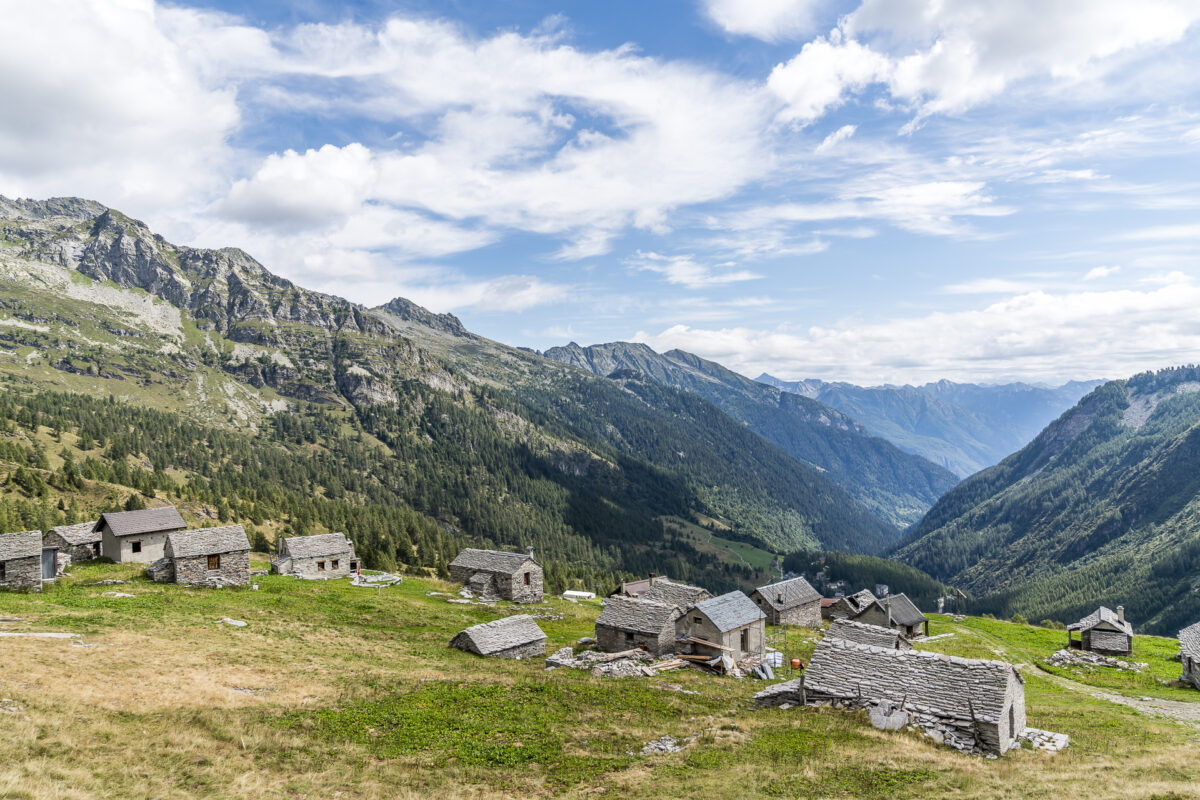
(680,595)
(871,635)
(793,602)
(512,637)
(847,607)
(138,536)
(895,611)
(1189,654)
(969,704)
(626,623)
(21,560)
(731,624)
(327,555)
(499,574)
(81,542)
(1103,631)
(205,557)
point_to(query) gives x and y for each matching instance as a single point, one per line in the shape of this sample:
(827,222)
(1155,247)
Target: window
(697,620)
(1012,723)
(214,562)
(1,570)
(526,578)
(333,564)
(354,566)
(320,566)
(745,641)
(135,546)
(628,636)
(96,549)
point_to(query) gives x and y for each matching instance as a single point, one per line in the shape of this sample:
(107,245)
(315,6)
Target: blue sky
(869,190)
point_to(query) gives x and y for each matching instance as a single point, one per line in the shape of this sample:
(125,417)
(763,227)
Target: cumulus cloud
(1096,273)
(1033,336)
(819,76)
(686,271)
(770,20)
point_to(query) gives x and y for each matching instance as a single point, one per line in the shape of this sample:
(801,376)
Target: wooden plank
(694,640)
(697,658)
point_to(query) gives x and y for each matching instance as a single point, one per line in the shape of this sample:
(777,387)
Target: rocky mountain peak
(409,311)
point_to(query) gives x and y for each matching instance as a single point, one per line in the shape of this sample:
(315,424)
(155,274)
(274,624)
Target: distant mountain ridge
(896,485)
(1102,507)
(964,427)
(489,443)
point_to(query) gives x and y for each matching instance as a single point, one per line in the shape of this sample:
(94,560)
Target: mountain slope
(962,426)
(897,486)
(1102,507)
(495,444)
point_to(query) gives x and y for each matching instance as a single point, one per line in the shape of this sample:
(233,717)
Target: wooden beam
(694,640)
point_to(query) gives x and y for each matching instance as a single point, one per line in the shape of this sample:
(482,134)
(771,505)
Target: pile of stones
(1045,740)
(633,663)
(1082,658)
(667,744)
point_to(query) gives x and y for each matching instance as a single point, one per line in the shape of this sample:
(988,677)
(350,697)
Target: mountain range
(489,443)
(1103,506)
(964,427)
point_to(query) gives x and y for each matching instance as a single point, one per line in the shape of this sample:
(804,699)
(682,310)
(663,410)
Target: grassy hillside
(332,691)
(1102,507)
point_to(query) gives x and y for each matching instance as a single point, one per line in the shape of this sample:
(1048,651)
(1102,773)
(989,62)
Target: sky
(876,191)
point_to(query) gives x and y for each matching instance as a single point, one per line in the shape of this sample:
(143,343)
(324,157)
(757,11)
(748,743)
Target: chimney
(1121,614)
(779,599)
(652,577)
(530,551)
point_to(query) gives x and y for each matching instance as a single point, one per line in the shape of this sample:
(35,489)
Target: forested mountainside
(964,427)
(1102,507)
(408,411)
(895,485)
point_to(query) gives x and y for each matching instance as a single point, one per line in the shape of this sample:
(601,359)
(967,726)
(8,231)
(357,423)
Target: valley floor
(333,691)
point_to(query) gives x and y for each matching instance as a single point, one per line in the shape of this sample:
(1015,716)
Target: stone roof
(325,544)
(674,594)
(82,533)
(499,635)
(872,635)
(730,611)
(1098,616)
(20,545)
(635,588)
(904,611)
(491,560)
(947,686)
(207,542)
(639,616)
(149,520)
(1189,641)
(860,600)
(788,594)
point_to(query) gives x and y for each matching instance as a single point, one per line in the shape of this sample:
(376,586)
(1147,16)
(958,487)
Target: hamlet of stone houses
(868,656)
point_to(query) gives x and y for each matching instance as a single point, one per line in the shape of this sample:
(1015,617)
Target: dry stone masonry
(212,557)
(327,555)
(511,637)
(1189,654)
(21,560)
(791,602)
(496,574)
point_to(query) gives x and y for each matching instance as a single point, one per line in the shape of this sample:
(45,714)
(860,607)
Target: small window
(745,641)
(696,620)
(526,578)
(320,566)
(333,564)
(628,636)
(214,562)
(1012,723)
(1,570)
(136,547)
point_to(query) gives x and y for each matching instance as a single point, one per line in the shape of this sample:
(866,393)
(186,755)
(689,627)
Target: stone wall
(23,573)
(614,640)
(1191,671)
(530,650)
(508,586)
(234,569)
(77,552)
(808,614)
(1107,642)
(310,567)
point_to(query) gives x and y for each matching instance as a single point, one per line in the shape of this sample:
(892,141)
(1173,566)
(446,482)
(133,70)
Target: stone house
(680,595)
(895,611)
(327,555)
(792,602)
(1189,654)
(969,704)
(74,543)
(1103,631)
(731,624)
(848,606)
(205,557)
(21,560)
(626,623)
(871,635)
(138,536)
(512,637)
(499,574)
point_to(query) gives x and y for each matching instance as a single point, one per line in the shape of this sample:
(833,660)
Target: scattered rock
(887,717)
(667,744)
(1087,660)
(459,601)
(30,635)
(109,582)
(675,687)
(237,623)
(117,594)
(1045,740)
(586,641)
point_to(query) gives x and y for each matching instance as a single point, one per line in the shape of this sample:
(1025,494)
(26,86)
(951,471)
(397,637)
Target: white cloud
(770,20)
(1163,233)
(832,140)
(817,78)
(1033,336)
(1095,273)
(686,271)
